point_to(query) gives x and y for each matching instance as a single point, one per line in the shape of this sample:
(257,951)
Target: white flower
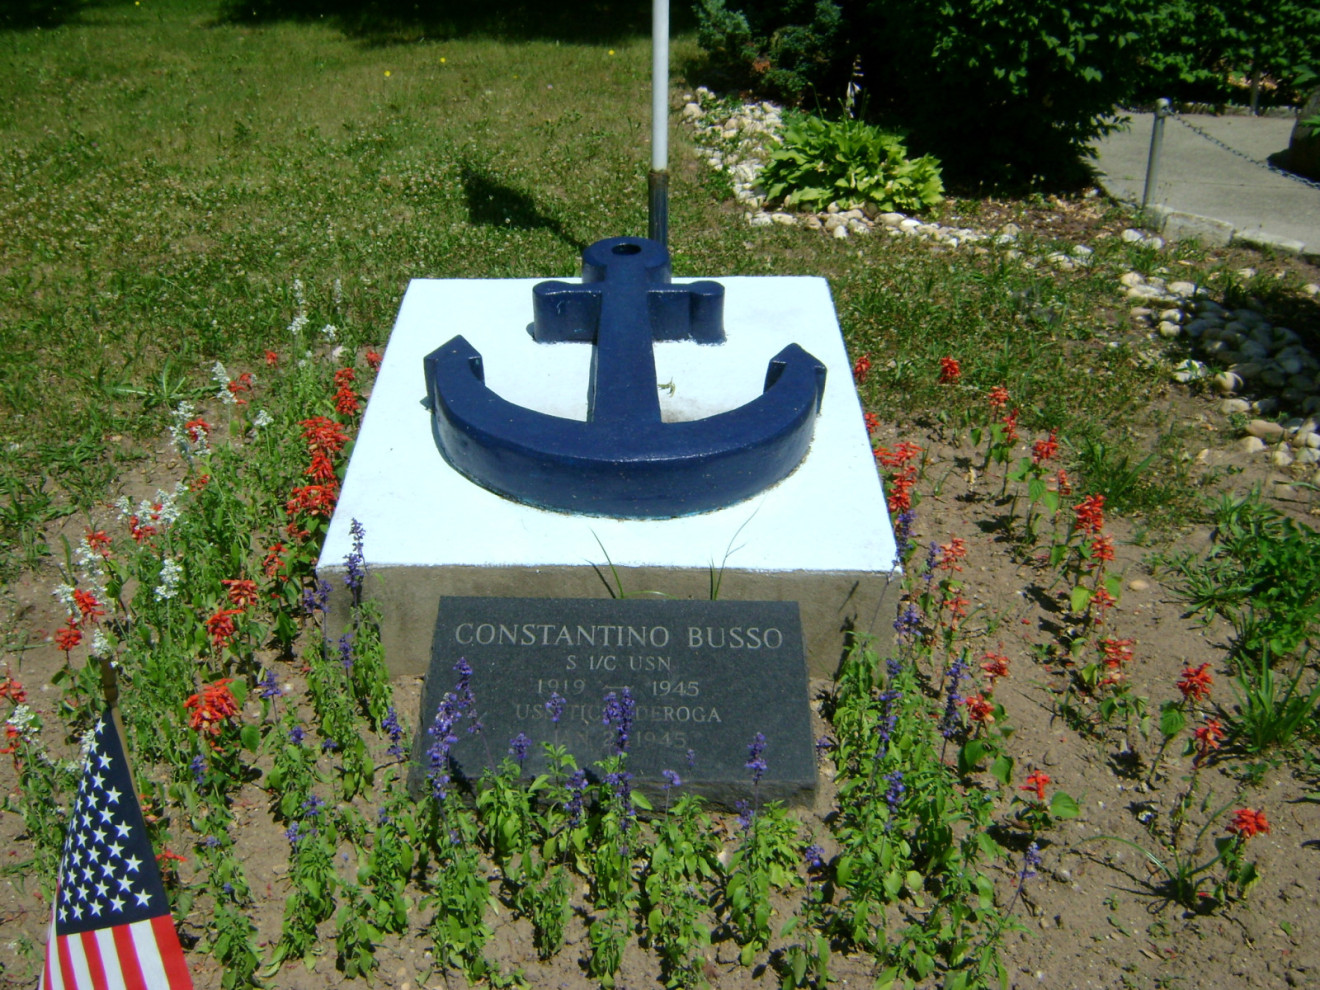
(337,293)
(262,418)
(181,436)
(296,326)
(124,506)
(168,513)
(89,560)
(23,719)
(88,741)
(101,645)
(171,576)
(329,332)
(64,594)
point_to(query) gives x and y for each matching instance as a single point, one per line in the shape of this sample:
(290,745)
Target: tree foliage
(1007,92)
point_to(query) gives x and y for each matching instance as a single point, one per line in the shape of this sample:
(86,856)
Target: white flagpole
(658,179)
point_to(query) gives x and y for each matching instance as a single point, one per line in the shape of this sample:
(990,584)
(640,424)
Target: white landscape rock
(1265,429)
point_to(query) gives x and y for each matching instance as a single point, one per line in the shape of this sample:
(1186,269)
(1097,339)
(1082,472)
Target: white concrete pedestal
(820,537)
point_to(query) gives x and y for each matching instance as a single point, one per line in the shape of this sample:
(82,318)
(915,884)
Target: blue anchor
(623,461)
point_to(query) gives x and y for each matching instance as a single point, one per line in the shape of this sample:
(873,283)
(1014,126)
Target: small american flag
(111,926)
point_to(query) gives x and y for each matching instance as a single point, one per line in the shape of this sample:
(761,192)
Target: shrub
(782,48)
(853,163)
(1194,46)
(36,13)
(1006,92)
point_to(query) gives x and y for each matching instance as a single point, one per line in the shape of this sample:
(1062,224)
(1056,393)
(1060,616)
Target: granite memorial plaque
(705,677)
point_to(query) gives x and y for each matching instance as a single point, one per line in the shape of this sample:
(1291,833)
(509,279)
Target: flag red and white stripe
(110,926)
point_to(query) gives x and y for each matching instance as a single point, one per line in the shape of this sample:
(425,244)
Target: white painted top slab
(829,515)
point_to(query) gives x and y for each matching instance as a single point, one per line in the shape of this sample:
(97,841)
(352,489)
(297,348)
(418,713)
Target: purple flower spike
(554,707)
(618,713)
(672,779)
(355,568)
(755,758)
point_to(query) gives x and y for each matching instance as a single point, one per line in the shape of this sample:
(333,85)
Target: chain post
(1156,146)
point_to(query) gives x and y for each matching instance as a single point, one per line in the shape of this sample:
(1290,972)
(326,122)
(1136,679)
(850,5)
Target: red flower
(199,482)
(374,359)
(87,604)
(950,553)
(13,735)
(140,531)
(899,498)
(272,359)
(221,626)
(212,707)
(274,563)
(957,606)
(1010,427)
(243,383)
(1102,550)
(1195,683)
(979,710)
(346,401)
(1036,781)
(198,429)
(323,435)
(315,500)
(1044,450)
(99,542)
(68,637)
(1063,484)
(14,691)
(166,857)
(1247,823)
(1102,601)
(1091,514)
(950,372)
(1118,652)
(872,422)
(321,468)
(995,667)
(998,397)
(899,456)
(344,376)
(241,592)
(1207,738)
(862,368)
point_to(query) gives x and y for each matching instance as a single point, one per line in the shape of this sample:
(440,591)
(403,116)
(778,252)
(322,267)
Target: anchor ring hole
(626,249)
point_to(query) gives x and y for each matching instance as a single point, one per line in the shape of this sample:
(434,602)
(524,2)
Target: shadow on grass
(387,22)
(490,203)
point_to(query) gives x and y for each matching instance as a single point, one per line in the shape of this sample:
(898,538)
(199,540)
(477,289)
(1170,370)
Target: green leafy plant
(849,162)
(1227,873)
(1273,711)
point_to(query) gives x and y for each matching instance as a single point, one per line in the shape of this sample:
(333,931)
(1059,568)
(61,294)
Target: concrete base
(820,537)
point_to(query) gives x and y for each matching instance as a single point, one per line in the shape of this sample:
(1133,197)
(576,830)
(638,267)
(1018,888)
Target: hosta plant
(852,163)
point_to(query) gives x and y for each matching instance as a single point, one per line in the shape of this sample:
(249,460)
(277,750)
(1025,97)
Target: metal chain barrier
(1265,165)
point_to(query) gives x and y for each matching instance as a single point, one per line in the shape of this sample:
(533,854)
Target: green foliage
(781,47)
(1195,45)
(1263,575)
(1274,711)
(37,13)
(1000,92)
(856,164)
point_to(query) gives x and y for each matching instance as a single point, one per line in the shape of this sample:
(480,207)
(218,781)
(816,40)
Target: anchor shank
(623,384)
